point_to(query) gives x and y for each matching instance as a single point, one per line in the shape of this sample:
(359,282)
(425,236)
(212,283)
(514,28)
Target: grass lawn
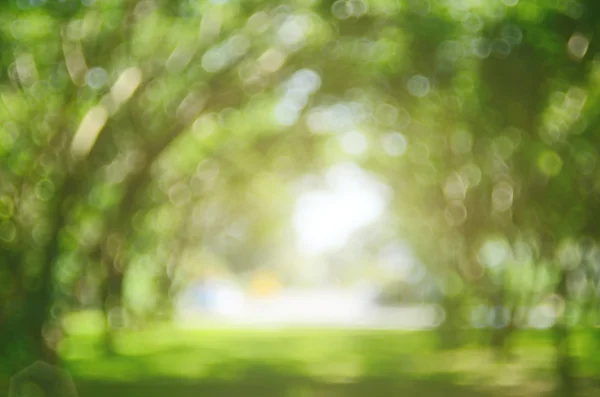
(165,361)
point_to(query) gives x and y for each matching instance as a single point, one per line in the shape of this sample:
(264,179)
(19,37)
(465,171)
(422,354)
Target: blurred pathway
(330,308)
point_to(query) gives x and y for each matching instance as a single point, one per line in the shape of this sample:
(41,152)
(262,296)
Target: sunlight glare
(324,219)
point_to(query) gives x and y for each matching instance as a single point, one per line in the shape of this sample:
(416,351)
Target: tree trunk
(564,363)
(39,303)
(502,327)
(111,300)
(449,331)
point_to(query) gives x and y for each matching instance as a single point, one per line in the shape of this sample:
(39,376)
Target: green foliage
(139,138)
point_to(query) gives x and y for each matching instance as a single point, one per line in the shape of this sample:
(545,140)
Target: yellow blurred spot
(96,117)
(88,130)
(271,60)
(75,62)
(191,105)
(126,85)
(264,283)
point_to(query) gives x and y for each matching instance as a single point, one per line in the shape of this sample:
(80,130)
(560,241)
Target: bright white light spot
(306,80)
(296,98)
(399,260)
(292,32)
(495,253)
(341,9)
(337,118)
(418,85)
(214,59)
(394,144)
(354,143)
(541,317)
(341,116)
(237,46)
(296,94)
(286,113)
(226,298)
(96,78)
(578,46)
(324,219)
(317,121)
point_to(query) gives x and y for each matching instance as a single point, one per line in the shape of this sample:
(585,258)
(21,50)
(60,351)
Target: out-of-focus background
(302,197)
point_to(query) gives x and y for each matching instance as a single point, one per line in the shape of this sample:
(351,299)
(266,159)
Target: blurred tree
(134,131)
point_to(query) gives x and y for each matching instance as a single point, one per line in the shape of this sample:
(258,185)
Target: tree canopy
(145,142)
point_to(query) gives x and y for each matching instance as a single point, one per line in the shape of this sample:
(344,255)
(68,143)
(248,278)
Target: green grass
(318,354)
(165,361)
